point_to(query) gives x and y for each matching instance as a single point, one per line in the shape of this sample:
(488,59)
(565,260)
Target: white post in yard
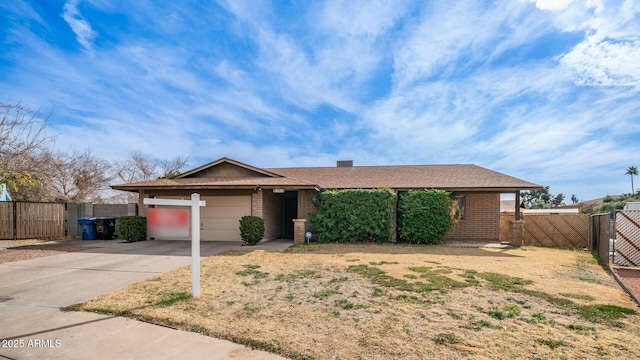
(195,245)
(195,204)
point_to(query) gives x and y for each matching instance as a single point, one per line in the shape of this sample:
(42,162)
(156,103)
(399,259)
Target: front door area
(290,212)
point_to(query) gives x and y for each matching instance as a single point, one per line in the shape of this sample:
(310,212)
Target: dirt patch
(381,302)
(18,250)
(14,243)
(631,279)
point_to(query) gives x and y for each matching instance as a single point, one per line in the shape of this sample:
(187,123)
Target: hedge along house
(283,196)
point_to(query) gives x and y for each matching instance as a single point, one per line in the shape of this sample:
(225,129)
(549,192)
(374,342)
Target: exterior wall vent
(345,163)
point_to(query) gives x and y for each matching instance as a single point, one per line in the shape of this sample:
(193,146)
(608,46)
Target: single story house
(282,196)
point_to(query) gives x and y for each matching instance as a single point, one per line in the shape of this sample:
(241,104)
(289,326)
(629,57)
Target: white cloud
(246,10)
(236,76)
(561,140)
(326,62)
(606,63)
(449,38)
(552,4)
(449,118)
(20,9)
(423,124)
(456,84)
(302,81)
(161,65)
(607,55)
(361,18)
(81,27)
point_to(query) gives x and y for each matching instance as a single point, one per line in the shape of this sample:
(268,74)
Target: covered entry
(290,212)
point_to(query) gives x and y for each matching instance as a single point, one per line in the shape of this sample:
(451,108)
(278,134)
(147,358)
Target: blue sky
(547,91)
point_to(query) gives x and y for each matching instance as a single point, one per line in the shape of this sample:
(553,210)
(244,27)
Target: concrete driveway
(32,291)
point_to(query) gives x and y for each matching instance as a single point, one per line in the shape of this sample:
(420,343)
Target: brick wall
(115,210)
(305,206)
(85,210)
(142,208)
(482,218)
(256,203)
(272,214)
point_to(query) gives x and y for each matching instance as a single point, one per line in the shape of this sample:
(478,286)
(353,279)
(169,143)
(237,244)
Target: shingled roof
(446,177)
(216,183)
(465,177)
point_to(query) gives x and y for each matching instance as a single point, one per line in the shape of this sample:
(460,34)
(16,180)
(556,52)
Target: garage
(219,219)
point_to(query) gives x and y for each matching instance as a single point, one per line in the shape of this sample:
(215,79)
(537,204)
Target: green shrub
(354,215)
(132,228)
(611,203)
(425,216)
(251,229)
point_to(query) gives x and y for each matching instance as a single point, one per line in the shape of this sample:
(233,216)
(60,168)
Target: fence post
(299,229)
(607,239)
(516,232)
(599,236)
(590,234)
(15,221)
(72,219)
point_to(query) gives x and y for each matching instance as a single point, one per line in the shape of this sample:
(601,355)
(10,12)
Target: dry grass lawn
(382,302)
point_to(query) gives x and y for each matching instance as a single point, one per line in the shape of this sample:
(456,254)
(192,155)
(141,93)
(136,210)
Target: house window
(459,206)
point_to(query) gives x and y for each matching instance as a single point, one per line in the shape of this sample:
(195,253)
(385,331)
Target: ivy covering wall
(347,216)
(354,215)
(425,216)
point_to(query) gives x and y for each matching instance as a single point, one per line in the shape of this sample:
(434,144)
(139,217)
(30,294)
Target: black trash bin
(105,227)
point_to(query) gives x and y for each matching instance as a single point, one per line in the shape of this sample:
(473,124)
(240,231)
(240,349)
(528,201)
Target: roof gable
(226,168)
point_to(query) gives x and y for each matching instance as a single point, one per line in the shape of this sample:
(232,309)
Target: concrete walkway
(32,291)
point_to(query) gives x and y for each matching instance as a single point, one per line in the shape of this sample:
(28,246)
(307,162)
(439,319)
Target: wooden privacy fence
(26,220)
(554,230)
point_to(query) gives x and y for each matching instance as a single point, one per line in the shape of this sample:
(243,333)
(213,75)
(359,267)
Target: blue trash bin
(88,227)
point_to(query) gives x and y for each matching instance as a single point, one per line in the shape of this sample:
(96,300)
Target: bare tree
(136,168)
(173,167)
(59,174)
(35,173)
(146,168)
(77,176)
(21,139)
(140,167)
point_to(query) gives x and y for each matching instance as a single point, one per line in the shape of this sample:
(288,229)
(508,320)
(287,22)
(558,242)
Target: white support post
(195,245)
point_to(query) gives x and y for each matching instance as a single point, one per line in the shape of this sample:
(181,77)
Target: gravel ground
(12,251)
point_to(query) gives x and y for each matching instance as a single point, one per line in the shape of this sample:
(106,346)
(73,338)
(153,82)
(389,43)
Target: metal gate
(627,243)
(599,236)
